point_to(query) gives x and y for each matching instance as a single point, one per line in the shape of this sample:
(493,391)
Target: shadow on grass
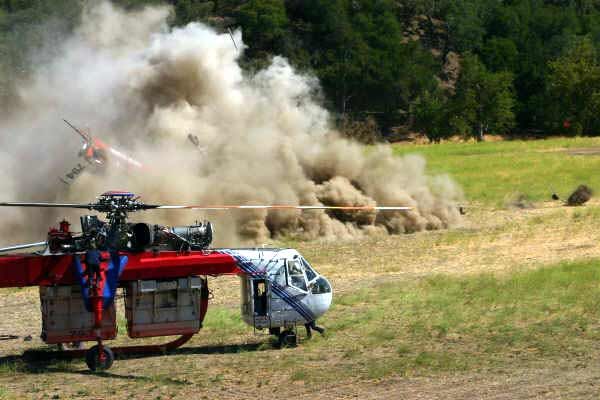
(41,361)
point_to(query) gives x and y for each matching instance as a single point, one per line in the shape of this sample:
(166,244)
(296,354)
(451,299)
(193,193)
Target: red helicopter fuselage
(20,270)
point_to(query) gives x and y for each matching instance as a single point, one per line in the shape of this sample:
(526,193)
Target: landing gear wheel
(275,331)
(97,363)
(288,339)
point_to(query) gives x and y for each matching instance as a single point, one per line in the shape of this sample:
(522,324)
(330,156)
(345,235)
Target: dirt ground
(498,241)
(566,381)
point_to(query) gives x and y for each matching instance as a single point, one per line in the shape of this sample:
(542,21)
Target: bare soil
(584,151)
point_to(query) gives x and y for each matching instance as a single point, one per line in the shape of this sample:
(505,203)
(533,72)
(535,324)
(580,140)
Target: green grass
(493,172)
(224,320)
(446,323)
(439,324)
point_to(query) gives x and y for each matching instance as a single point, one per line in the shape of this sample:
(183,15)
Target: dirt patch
(575,379)
(583,151)
(518,200)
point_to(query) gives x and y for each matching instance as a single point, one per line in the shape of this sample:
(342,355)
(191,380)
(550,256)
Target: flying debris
(194,139)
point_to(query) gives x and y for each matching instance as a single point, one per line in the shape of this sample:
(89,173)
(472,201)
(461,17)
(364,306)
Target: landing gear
(288,338)
(97,360)
(310,326)
(275,331)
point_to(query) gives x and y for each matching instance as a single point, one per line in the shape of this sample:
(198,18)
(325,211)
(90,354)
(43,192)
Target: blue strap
(111,283)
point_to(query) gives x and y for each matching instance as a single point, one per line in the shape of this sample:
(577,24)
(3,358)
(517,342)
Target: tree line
(440,67)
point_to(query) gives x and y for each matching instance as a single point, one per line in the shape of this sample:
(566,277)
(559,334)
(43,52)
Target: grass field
(493,172)
(507,305)
(437,325)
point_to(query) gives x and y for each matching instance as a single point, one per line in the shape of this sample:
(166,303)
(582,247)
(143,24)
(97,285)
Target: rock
(580,196)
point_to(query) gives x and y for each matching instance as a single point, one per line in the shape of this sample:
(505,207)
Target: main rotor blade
(47,205)
(22,246)
(285,207)
(83,135)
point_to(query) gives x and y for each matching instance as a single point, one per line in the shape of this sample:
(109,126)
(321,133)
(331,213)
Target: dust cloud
(262,137)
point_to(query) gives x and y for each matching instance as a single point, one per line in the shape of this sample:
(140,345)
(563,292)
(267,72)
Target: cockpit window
(279,277)
(321,286)
(296,275)
(310,273)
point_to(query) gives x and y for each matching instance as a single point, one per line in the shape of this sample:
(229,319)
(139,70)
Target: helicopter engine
(198,236)
(142,236)
(129,236)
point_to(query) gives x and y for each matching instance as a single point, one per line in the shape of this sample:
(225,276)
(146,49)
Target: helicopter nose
(321,296)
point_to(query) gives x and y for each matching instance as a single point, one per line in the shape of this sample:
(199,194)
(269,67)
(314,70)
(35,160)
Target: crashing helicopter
(163,273)
(97,153)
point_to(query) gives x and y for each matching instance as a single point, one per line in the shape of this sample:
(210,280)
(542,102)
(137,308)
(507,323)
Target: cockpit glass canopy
(310,273)
(296,275)
(321,286)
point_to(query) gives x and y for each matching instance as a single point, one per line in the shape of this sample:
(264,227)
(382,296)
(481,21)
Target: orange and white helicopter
(162,271)
(95,152)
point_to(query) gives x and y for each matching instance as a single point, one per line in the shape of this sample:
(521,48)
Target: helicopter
(163,272)
(97,153)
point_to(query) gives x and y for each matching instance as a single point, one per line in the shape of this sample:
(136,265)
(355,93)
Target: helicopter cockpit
(299,274)
(291,291)
(93,154)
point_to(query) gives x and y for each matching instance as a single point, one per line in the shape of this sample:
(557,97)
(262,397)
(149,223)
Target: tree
(357,50)
(431,116)
(484,100)
(264,25)
(466,24)
(574,90)
(500,54)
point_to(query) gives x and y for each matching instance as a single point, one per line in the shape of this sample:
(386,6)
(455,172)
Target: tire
(275,331)
(288,339)
(92,359)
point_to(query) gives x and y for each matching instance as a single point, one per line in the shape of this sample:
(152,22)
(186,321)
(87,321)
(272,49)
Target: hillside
(525,67)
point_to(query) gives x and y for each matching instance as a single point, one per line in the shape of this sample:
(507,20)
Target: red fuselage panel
(19,270)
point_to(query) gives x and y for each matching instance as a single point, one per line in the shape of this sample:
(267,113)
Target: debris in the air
(194,139)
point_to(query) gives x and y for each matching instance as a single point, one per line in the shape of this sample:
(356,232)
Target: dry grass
(227,360)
